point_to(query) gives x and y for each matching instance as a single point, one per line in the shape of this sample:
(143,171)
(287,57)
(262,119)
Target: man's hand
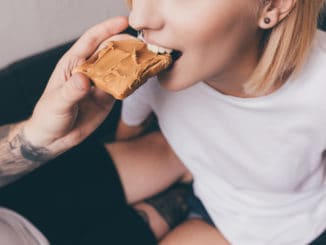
(70,109)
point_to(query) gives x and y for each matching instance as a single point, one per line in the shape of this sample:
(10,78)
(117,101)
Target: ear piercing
(266,2)
(267,20)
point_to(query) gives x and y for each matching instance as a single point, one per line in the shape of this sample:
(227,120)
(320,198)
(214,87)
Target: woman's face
(219,39)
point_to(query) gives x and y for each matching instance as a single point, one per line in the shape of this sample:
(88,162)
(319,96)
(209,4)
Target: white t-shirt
(258,163)
(16,230)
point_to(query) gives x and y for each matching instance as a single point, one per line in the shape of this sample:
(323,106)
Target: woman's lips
(175,54)
(159,49)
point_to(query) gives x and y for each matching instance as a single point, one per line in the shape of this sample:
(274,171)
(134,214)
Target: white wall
(30,26)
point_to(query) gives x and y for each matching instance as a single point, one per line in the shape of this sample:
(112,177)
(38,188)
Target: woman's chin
(172,80)
(172,84)
(167,82)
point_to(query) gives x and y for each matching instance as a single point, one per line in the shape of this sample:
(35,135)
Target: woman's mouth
(175,54)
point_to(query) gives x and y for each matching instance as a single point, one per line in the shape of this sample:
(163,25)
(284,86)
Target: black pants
(76,198)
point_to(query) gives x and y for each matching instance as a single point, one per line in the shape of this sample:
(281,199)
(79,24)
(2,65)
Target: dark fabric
(22,82)
(77,198)
(321,240)
(322,20)
(128,228)
(197,208)
(67,195)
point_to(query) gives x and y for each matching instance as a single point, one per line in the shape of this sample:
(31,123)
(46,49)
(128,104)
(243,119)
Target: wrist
(41,138)
(33,134)
(26,148)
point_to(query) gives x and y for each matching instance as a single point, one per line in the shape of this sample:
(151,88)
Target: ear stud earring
(267,20)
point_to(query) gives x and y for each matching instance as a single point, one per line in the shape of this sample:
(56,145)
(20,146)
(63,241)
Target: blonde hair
(285,48)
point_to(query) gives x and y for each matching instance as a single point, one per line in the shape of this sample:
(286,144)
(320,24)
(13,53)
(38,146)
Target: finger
(102,99)
(88,43)
(73,91)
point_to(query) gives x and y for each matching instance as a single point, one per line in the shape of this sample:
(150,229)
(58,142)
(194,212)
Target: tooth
(153,48)
(162,50)
(158,50)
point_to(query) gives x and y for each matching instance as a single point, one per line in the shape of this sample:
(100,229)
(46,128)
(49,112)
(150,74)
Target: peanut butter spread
(123,66)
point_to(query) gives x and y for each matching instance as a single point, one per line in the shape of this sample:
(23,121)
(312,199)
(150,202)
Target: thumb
(72,91)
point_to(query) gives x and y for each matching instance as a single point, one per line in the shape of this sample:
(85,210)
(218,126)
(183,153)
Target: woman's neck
(232,80)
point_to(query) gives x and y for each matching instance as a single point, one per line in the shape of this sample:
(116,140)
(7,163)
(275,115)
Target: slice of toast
(122,66)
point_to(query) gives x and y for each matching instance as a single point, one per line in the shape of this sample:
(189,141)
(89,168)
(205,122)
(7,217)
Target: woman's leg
(146,165)
(194,232)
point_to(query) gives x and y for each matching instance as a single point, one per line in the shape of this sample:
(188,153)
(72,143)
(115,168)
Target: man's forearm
(17,155)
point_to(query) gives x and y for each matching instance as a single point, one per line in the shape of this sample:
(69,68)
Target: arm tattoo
(18,156)
(172,204)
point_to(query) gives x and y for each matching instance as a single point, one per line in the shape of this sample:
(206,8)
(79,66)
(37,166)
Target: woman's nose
(145,14)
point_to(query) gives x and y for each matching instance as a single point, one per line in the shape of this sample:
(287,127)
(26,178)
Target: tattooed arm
(18,156)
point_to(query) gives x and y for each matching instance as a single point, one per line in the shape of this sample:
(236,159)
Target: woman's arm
(125,132)
(18,155)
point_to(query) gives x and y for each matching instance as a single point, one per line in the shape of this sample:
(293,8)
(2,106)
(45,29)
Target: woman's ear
(274,11)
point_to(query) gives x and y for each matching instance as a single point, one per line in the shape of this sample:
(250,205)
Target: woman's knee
(193,232)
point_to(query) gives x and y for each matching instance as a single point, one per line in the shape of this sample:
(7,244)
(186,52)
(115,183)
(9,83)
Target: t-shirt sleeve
(136,107)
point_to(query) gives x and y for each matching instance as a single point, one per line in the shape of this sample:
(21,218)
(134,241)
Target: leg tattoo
(172,204)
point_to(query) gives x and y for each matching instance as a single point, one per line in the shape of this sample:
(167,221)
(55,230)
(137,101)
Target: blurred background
(31,26)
